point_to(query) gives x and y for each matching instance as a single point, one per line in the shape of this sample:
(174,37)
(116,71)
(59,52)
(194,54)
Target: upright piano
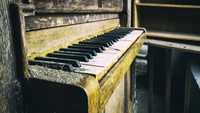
(76,56)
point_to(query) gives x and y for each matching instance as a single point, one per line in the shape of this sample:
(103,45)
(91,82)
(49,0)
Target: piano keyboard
(93,56)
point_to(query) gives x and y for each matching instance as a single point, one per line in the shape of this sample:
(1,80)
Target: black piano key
(98,43)
(92,45)
(79,50)
(88,55)
(104,39)
(69,56)
(53,65)
(75,63)
(122,34)
(97,49)
(111,35)
(108,37)
(103,42)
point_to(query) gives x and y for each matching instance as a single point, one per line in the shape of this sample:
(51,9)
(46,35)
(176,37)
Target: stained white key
(96,71)
(102,60)
(121,45)
(132,36)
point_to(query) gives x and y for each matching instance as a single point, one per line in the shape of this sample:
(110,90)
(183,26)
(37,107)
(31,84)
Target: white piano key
(121,45)
(137,32)
(96,71)
(130,37)
(102,60)
(113,51)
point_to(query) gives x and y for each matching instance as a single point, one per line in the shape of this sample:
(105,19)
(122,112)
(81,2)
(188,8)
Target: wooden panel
(49,40)
(193,48)
(167,5)
(69,5)
(109,83)
(172,20)
(77,6)
(116,5)
(10,86)
(117,100)
(191,2)
(41,21)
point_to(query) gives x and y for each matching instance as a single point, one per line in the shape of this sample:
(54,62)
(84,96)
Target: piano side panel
(44,41)
(121,100)
(117,101)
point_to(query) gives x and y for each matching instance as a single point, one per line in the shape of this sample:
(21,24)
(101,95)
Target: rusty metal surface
(56,20)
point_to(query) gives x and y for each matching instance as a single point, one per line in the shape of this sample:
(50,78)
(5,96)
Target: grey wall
(10,93)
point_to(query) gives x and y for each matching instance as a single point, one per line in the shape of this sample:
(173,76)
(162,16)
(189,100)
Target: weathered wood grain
(66,4)
(115,5)
(77,6)
(10,86)
(44,41)
(109,83)
(42,21)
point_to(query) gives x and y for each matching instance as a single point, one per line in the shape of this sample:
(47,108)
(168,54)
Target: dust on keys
(93,56)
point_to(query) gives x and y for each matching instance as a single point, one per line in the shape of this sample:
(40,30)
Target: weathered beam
(44,21)
(77,6)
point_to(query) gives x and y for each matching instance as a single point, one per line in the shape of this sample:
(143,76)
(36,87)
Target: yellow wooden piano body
(42,27)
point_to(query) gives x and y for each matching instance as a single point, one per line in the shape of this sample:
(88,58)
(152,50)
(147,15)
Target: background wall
(10,87)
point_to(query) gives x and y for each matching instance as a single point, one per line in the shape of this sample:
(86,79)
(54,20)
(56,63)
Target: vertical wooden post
(187,84)
(168,69)
(150,70)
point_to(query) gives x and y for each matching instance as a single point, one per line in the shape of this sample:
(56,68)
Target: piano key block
(106,49)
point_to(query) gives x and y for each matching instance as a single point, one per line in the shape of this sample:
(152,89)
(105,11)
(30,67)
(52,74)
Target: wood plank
(168,5)
(67,5)
(112,79)
(188,77)
(151,53)
(45,41)
(168,68)
(171,35)
(40,21)
(78,6)
(173,45)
